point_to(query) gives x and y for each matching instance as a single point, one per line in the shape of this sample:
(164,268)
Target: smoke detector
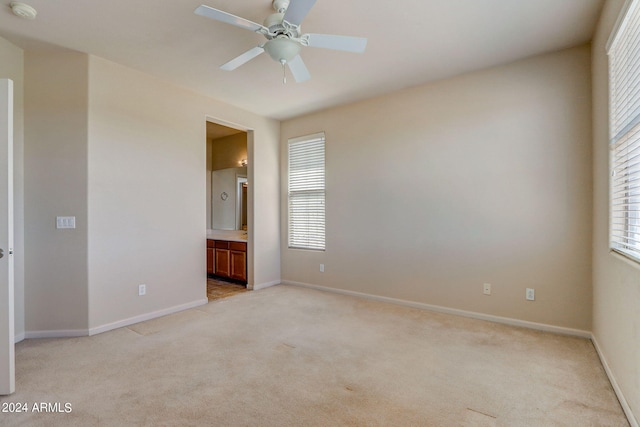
(23,10)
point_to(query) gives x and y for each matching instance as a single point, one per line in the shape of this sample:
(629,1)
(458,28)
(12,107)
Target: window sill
(625,258)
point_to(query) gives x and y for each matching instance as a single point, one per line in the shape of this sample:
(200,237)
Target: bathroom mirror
(229,199)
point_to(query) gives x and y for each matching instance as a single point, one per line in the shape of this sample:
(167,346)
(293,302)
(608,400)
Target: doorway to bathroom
(227,210)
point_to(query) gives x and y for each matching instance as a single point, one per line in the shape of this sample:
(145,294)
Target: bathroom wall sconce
(243,162)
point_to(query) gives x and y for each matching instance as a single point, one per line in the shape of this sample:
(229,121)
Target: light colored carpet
(288,356)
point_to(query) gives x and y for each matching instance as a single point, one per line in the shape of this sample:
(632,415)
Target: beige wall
(263,216)
(125,153)
(616,282)
(147,168)
(12,67)
(56,95)
(483,178)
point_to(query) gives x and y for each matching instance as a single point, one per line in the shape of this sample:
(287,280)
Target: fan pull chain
(284,72)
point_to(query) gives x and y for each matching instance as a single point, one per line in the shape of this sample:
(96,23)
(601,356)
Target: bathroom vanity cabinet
(227,259)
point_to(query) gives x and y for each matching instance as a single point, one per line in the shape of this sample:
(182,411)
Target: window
(624,132)
(306,192)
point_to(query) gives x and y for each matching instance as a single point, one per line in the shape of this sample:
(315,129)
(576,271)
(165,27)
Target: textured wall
(482,178)
(125,154)
(56,100)
(147,193)
(616,281)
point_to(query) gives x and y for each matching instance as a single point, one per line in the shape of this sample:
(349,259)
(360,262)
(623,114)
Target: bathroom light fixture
(23,10)
(243,162)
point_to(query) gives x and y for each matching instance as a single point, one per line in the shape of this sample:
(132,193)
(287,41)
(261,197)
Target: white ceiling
(410,42)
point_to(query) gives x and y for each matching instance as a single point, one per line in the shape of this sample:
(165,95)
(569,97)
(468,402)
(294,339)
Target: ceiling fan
(284,38)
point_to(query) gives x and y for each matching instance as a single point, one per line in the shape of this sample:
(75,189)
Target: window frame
(313,193)
(624,133)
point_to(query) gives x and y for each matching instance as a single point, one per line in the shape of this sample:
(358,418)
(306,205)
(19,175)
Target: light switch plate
(65,222)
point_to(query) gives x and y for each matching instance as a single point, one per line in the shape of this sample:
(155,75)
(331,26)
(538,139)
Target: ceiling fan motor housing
(277,26)
(274,23)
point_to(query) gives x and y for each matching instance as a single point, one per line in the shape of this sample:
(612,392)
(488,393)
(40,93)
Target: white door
(7,340)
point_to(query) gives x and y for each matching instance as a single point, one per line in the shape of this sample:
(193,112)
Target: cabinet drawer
(211,243)
(238,246)
(222,244)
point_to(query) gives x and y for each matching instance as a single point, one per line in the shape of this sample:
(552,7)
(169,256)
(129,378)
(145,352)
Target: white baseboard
(454,311)
(71,333)
(614,383)
(147,316)
(58,333)
(265,285)
(18,337)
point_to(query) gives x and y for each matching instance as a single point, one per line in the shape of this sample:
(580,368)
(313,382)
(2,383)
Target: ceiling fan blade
(228,18)
(297,10)
(298,69)
(242,59)
(345,43)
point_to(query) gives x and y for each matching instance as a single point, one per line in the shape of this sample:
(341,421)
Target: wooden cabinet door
(239,265)
(211,261)
(222,262)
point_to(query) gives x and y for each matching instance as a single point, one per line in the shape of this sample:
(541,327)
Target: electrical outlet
(486,289)
(530,295)
(321,268)
(142,290)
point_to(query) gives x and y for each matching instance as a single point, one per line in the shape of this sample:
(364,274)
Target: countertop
(230,235)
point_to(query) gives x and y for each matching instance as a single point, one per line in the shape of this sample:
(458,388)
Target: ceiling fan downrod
(280,6)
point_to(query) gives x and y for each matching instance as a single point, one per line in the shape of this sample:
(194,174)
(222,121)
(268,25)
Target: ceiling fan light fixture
(283,49)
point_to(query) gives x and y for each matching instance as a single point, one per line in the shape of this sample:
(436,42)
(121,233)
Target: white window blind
(624,128)
(306,192)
